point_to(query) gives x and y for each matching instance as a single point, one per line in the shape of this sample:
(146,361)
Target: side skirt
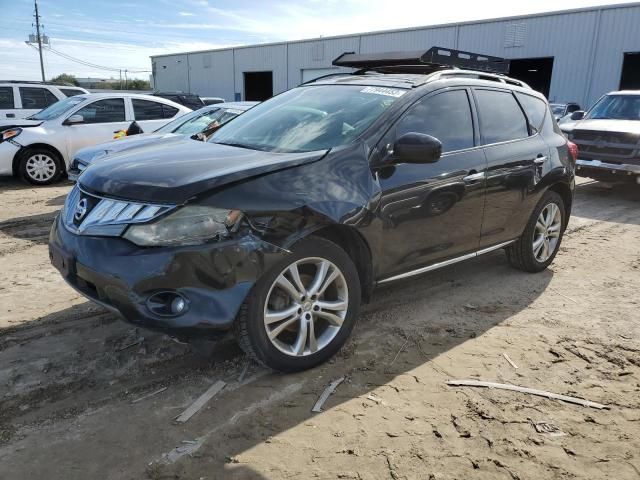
(445,263)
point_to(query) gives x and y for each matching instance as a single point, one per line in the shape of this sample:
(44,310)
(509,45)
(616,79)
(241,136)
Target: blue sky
(124,34)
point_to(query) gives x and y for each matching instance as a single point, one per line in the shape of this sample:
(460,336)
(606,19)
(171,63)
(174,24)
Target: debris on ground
(200,402)
(317,408)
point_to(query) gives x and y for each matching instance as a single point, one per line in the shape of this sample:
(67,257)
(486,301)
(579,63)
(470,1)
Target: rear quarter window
(535,109)
(501,118)
(6,98)
(169,111)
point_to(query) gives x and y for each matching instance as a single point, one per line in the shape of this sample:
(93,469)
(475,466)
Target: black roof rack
(434,59)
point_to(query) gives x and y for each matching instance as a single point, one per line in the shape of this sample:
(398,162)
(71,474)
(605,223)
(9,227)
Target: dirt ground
(71,374)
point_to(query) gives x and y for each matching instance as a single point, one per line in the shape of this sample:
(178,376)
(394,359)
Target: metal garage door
(311,73)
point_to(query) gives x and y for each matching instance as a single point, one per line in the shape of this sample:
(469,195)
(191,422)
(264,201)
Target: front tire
(301,312)
(40,166)
(537,247)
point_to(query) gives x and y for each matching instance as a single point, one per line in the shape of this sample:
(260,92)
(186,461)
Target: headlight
(191,225)
(11,133)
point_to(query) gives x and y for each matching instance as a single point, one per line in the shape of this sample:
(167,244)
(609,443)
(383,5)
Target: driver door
(433,211)
(100,120)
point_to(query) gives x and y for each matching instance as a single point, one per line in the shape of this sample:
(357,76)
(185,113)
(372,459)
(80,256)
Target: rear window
(501,118)
(6,98)
(535,109)
(36,98)
(71,92)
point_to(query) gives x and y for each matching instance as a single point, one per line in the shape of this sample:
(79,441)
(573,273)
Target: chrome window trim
(445,263)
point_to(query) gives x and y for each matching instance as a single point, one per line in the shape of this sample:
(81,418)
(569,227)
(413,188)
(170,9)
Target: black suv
(289,216)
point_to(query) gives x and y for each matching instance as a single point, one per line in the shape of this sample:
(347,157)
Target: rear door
(8,103)
(516,156)
(151,115)
(433,211)
(101,119)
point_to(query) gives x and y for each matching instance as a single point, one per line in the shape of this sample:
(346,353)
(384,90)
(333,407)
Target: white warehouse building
(571,56)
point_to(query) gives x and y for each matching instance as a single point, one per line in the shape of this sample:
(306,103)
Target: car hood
(19,122)
(100,151)
(175,171)
(627,126)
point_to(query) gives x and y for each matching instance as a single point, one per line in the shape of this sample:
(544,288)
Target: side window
(36,97)
(147,109)
(71,92)
(501,118)
(169,111)
(6,98)
(535,109)
(446,116)
(103,111)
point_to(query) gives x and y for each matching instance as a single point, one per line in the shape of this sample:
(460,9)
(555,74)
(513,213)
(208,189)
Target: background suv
(292,213)
(22,99)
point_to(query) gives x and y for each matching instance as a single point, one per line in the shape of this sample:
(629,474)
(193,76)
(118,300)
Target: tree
(137,84)
(65,79)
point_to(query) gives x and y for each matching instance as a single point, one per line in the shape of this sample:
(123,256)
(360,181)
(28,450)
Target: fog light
(178,305)
(167,304)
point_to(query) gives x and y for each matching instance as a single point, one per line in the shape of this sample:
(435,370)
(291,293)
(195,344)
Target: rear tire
(40,166)
(537,247)
(301,312)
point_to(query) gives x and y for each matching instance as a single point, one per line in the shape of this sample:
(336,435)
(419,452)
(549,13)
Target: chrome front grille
(86,214)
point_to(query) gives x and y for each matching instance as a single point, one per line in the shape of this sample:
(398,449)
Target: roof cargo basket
(434,59)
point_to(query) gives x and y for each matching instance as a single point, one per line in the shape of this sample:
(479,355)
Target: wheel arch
(354,244)
(18,156)
(565,193)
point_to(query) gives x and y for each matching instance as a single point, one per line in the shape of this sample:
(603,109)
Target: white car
(39,149)
(19,99)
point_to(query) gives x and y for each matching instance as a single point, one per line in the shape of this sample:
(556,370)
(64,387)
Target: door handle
(540,160)
(11,115)
(474,177)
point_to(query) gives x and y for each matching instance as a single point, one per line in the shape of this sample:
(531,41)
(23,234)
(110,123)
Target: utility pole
(39,39)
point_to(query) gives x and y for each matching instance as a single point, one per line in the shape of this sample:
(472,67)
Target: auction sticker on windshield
(389,92)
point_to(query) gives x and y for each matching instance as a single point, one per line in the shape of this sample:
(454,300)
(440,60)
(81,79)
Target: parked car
(212,100)
(39,149)
(19,99)
(190,100)
(608,138)
(291,214)
(202,121)
(561,110)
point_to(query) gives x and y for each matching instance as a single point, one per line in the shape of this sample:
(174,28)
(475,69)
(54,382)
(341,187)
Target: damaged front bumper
(206,284)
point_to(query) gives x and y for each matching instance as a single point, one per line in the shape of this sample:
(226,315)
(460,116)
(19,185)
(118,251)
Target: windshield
(198,121)
(616,107)
(557,109)
(308,118)
(57,109)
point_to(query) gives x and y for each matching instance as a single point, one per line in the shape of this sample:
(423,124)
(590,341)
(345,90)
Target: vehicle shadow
(34,228)
(601,201)
(408,325)
(12,183)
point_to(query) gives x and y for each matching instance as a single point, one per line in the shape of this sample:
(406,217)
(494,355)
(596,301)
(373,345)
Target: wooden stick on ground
(144,397)
(317,408)
(530,391)
(200,402)
(506,357)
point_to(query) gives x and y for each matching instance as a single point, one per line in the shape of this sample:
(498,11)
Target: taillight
(573,151)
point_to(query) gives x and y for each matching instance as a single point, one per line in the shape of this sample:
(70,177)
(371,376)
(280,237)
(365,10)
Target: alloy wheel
(306,306)
(547,232)
(40,167)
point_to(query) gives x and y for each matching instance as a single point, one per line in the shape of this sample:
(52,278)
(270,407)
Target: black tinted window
(103,111)
(535,109)
(6,97)
(147,110)
(446,116)
(33,97)
(71,92)
(501,118)
(168,111)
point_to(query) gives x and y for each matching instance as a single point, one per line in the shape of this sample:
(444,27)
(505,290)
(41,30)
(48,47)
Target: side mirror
(415,147)
(73,119)
(200,137)
(577,115)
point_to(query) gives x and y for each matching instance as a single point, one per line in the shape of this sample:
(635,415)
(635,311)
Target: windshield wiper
(239,145)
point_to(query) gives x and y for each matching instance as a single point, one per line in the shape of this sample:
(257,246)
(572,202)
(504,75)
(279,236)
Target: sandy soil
(70,372)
